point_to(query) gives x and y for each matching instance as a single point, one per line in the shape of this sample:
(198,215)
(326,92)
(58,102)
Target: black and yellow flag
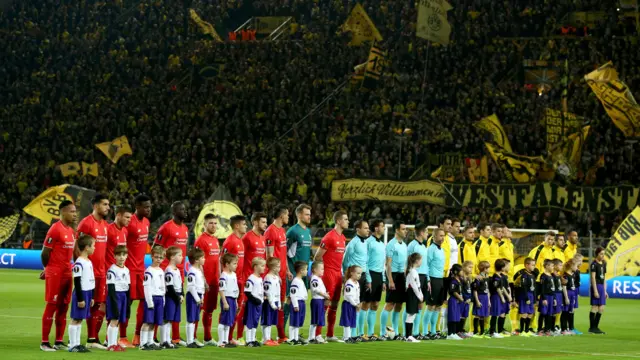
(492,125)
(90,169)
(444,173)
(45,206)
(432,23)
(205,27)
(361,27)
(374,67)
(566,155)
(617,99)
(477,170)
(559,125)
(70,168)
(116,148)
(516,168)
(8,221)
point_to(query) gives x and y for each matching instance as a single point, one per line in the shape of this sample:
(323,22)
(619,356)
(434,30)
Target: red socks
(47,320)
(195,329)
(139,317)
(175,330)
(207,322)
(123,329)
(61,321)
(280,327)
(331,319)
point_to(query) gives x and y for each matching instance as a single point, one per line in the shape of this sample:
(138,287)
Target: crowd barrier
(622,287)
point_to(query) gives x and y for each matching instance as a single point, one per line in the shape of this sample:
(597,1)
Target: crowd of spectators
(75,73)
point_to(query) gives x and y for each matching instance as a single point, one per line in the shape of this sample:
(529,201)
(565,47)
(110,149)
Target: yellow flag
(361,27)
(559,125)
(374,67)
(492,125)
(518,168)
(116,148)
(623,250)
(45,206)
(70,168)
(8,222)
(445,173)
(90,169)
(432,21)
(617,99)
(478,170)
(205,27)
(566,155)
(224,210)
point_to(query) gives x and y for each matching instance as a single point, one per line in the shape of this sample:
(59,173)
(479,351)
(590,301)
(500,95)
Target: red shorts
(58,287)
(333,283)
(210,301)
(137,286)
(100,292)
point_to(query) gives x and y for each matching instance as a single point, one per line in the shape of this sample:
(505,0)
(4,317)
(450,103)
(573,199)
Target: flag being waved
(90,169)
(205,27)
(374,67)
(518,168)
(492,125)
(116,148)
(361,27)
(45,206)
(616,98)
(432,21)
(70,169)
(566,155)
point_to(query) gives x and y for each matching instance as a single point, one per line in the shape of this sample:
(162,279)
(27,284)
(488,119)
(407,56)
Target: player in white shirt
(83,285)
(350,303)
(298,299)
(414,294)
(254,291)
(318,297)
(118,295)
(271,307)
(174,297)
(228,290)
(154,292)
(195,295)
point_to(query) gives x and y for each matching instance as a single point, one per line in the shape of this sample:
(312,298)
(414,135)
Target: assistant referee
(435,285)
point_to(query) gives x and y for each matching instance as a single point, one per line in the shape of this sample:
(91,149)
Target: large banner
(558,128)
(387,190)
(501,196)
(543,195)
(45,206)
(623,250)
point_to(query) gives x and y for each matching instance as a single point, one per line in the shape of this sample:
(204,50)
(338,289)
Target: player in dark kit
(599,295)
(56,256)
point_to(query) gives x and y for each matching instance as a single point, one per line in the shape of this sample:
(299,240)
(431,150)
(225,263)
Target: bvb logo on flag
(434,22)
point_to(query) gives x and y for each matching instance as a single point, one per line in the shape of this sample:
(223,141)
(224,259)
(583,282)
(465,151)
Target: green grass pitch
(22,303)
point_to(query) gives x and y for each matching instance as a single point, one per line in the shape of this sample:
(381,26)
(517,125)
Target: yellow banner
(70,169)
(267,24)
(8,222)
(374,67)
(518,168)
(224,210)
(45,206)
(566,155)
(554,122)
(205,27)
(361,27)
(387,190)
(492,125)
(543,195)
(617,99)
(623,250)
(90,169)
(116,148)
(432,21)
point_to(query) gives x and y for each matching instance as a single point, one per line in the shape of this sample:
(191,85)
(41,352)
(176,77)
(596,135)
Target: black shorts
(423,286)
(363,286)
(436,296)
(413,303)
(376,288)
(399,295)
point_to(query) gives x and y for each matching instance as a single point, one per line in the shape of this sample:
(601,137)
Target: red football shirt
(137,238)
(171,234)
(209,244)
(277,237)
(253,247)
(98,230)
(61,240)
(333,243)
(115,236)
(233,245)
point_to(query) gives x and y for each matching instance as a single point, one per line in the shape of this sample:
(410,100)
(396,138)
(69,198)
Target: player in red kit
(137,242)
(95,226)
(57,253)
(208,243)
(174,233)
(233,245)
(331,252)
(276,240)
(117,233)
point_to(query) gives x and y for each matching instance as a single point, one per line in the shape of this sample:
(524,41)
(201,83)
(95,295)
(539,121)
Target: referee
(435,282)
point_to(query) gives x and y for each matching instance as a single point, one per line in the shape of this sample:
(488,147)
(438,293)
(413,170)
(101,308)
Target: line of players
(132,231)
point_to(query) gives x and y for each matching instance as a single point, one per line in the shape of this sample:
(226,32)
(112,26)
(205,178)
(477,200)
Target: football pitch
(22,295)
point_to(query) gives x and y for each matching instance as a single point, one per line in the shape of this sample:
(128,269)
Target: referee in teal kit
(435,282)
(356,254)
